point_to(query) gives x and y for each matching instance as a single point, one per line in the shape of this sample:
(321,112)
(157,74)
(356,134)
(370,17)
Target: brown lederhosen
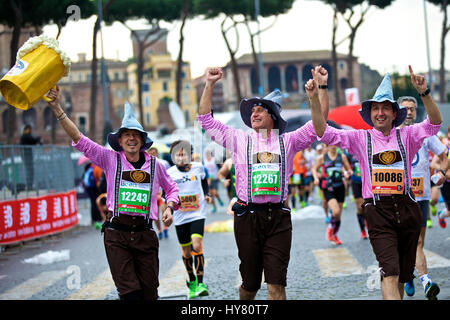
(133,256)
(263,237)
(394,228)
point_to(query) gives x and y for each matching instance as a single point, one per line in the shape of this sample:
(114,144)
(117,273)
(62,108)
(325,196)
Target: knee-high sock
(189,269)
(335,224)
(199,264)
(361,222)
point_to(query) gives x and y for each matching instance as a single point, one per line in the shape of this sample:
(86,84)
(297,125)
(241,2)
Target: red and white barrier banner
(29,218)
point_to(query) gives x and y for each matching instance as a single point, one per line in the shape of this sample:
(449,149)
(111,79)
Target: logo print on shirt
(387,157)
(137,176)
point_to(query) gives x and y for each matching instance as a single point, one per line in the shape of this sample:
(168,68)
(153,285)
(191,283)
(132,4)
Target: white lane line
(30,287)
(337,262)
(96,289)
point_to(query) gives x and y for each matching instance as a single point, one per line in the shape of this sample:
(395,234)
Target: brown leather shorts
(263,236)
(394,228)
(133,258)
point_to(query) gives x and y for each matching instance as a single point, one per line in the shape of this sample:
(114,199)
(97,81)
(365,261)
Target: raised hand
(311,88)
(54,96)
(419,82)
(320,75)
(213,74)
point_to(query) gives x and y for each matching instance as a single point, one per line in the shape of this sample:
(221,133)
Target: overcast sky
(388,41)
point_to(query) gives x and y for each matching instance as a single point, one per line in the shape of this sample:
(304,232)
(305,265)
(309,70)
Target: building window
(88,77)
(82,123)
(29,117)
(274,78)
(165,86)
(306,74)
(291,78)
(116,76)
(164,73)
(344,83)
(145,87)
(147,118)
(147,102)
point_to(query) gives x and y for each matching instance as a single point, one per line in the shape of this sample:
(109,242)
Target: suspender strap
(283,168)
(249,168)
(117,185)
(152,179)
(405,164)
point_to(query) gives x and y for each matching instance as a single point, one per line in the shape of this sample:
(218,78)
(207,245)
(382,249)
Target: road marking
(435,261)
(96,289)
(32,286)
(337,262)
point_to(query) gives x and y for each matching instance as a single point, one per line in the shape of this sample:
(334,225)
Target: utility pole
(430,74)
(260,59)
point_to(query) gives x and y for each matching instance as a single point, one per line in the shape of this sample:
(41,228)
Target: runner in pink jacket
(385,153)
(133,180)
(263,160)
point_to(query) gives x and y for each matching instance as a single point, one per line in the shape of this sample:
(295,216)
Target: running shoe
(202,290)
(344,205)
(214,209)
(302,204)
(409,288)
(192,288)
(293,210)
(329,233)
(363,234)
(442,221)
(98,225)
(166,233)
(327,219)
(220,202)
(429,223)
(335,240)
(160,235)
(433,209)
(431,291)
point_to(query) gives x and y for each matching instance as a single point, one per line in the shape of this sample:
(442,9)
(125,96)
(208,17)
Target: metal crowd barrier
(29,171)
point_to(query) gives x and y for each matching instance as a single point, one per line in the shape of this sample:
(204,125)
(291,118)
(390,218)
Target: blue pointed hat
(129,121)
(383,93)
(271,102)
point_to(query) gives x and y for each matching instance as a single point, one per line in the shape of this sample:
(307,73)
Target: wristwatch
(441,171)
(425,92)
(323,86)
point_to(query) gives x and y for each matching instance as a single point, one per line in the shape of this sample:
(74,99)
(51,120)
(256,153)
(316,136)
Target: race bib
(189,202)
(388,173)
(417,186)
(266,179)
(134,192)
(387,180)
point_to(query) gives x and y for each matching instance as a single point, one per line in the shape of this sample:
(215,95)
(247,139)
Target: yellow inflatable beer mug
(40,64)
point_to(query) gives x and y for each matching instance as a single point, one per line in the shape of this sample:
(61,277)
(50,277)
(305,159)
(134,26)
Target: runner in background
(189,219)
(335,167)
(212,168)
(420,185)
(356,185)
(310,156)
(226,171)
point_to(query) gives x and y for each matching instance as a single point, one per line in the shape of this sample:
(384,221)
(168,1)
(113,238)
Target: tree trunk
(335,61)
(140,73)
(14,46)
(94,83)
(234,68)
(350,59)
(179,81)
(442,97)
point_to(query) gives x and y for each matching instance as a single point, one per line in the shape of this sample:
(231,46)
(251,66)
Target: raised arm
(69,127)
(316,112)
(212,75)
(420,83)
(320,75)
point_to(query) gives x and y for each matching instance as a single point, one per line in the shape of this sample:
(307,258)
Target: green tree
(354,13)
(153,11)
(19,14)
(443,4)
(236,13)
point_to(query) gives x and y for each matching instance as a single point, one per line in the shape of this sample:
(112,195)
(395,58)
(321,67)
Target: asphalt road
(318,270)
